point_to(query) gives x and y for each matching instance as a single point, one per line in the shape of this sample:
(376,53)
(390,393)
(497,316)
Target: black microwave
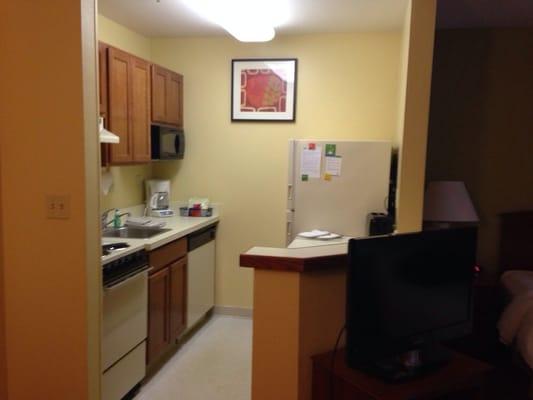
(167,143)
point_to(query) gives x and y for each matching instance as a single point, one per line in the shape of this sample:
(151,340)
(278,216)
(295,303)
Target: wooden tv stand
(462,378)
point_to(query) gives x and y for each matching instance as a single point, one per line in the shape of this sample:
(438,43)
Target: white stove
(125,318)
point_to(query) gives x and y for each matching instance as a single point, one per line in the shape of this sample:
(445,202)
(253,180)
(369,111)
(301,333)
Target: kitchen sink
(132,233)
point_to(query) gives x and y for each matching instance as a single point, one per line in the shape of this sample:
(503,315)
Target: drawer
(118,380)
(167,254)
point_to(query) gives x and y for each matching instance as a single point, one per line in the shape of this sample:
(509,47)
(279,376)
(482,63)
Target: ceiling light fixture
(246,20)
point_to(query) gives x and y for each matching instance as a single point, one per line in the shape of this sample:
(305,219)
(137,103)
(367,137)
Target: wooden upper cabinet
(159,94)
(174,99)
(102,91)
(140,109)
(133,94)
(128,90)
(102,75)
(167,97)
(119,70)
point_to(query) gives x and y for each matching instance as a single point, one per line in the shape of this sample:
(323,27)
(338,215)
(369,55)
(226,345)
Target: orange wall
(322,316)
(296,315)
(481,129)
(42,152)
(276,330)
(3,370)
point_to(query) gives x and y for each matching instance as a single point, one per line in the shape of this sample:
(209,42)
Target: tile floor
(215,364)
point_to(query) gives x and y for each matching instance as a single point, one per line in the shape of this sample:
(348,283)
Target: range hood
(105,135)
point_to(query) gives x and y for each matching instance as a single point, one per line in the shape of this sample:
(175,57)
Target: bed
(515,326)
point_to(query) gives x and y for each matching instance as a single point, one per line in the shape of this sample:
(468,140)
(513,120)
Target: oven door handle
(128,278)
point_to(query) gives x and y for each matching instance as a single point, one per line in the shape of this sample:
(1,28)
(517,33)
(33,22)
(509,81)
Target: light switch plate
(58,206)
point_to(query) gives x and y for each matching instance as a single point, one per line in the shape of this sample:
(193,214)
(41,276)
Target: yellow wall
(43,152)
(347,89)
(128,187)
(415,106)
(481,129)
(402,86)
(125,39)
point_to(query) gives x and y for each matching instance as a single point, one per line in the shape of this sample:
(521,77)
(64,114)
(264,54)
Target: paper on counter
(313,234)
(144,223)
(333,165)
(329,236)
(310,162)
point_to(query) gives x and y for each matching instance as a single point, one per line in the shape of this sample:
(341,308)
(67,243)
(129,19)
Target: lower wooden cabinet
(158,314)
(167,294)
(178,306)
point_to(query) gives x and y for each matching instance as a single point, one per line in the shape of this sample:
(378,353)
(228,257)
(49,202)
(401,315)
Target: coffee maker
(158,198)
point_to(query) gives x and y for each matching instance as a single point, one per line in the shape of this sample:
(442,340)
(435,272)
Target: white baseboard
(234,311)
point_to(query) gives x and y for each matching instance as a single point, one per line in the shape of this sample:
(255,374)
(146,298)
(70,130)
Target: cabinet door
(102,79)
(102,91)
(175,99)
(118,96)
(159,94)
(158,314)
(140,109)
(178,297)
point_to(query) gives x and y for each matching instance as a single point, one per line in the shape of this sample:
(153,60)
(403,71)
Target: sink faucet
(105,214)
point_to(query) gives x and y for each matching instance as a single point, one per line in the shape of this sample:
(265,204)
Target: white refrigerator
(333,185)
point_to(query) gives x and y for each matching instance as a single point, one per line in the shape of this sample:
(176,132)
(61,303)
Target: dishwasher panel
(200,275)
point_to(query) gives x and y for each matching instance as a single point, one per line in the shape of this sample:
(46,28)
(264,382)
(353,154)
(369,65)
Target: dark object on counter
(380,224)
(196,212)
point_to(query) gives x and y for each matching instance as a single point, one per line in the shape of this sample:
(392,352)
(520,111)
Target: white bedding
(516,322)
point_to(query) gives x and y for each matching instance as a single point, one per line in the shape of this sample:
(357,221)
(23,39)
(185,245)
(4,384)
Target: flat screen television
(405,294)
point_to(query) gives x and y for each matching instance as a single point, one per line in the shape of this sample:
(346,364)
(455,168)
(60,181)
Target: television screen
(405,291)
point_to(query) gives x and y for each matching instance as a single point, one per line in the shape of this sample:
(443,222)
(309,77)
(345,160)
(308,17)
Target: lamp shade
(448,201)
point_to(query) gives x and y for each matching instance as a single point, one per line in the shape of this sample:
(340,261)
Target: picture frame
(263,89)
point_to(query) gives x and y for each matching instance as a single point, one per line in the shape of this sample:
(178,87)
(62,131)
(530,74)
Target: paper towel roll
(106,181)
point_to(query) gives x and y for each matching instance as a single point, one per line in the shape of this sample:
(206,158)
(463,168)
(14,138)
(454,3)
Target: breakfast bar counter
(299,307)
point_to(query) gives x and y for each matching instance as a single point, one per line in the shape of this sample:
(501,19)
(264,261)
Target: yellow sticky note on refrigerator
(327,177)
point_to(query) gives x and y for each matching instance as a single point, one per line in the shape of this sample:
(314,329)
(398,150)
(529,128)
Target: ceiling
(168,18)
(484,13)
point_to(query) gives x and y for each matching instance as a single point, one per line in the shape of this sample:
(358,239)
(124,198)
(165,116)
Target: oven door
(125,316)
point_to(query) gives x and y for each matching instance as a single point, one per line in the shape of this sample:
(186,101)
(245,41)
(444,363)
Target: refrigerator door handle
(289,191)
(289,219)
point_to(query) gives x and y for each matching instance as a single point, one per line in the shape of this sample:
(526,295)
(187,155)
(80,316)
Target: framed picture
(263,89)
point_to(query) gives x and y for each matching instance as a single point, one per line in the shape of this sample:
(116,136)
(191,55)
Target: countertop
(300,256)
(179,227)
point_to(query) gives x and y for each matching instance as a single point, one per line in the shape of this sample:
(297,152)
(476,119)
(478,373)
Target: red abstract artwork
(263,90)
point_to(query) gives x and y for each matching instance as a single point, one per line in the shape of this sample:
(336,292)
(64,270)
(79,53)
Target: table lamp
(447,204)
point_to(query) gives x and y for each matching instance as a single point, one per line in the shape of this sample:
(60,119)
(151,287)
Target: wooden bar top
(300,256)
